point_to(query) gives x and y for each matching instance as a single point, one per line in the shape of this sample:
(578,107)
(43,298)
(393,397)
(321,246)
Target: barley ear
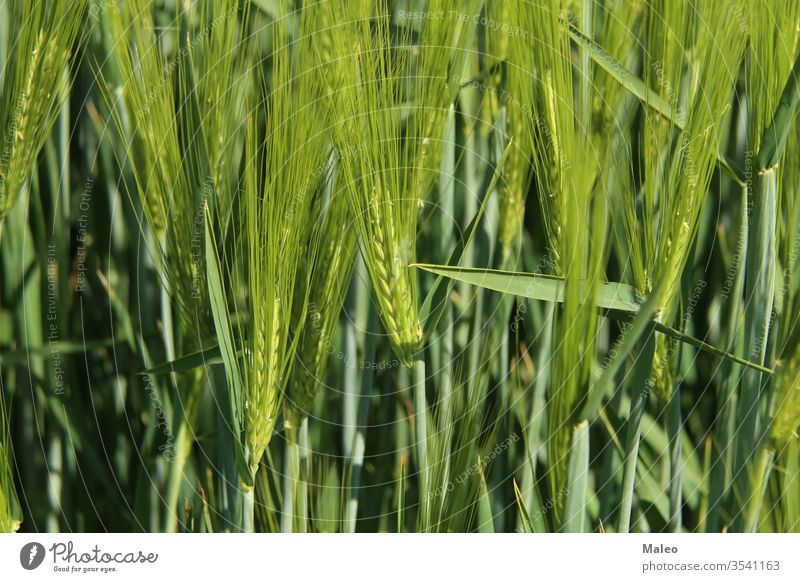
(35,84)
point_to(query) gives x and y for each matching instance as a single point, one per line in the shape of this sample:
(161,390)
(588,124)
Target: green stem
(55,470)
(183,446)
(356,460)
(248,495)
(674,425)
(421,429)
(759,297)
(184,438)
(349,367)
(731,377)
(291,477)
(249,510)
(640,389)
(444,391)
(304,463)
(585,74)
(529,489)
(758,490)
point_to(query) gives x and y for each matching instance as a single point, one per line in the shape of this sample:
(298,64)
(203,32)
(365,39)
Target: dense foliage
(399,265)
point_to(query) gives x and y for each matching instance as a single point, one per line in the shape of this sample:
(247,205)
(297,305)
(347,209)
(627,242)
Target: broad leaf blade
(615,296)
(619,299)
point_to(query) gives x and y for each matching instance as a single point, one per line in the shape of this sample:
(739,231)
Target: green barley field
(399,266)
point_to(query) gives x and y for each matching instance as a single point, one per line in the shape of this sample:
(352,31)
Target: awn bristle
(514,183)
(574,217)
(329,280)
(675,188)
(174,185)
(34,85)
(281,176)
(395,164)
